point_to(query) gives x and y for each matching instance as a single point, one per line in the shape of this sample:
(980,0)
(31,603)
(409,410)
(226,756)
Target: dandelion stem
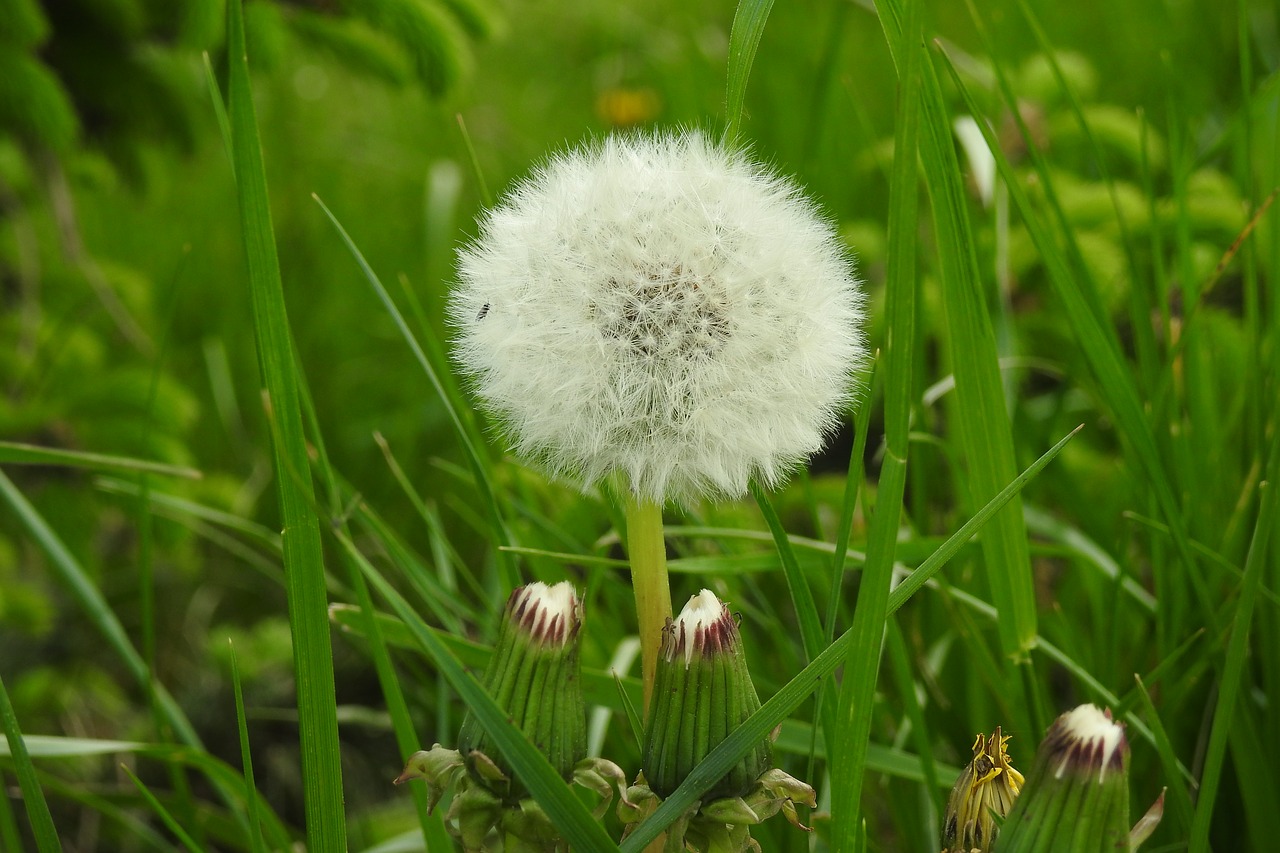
(648,553)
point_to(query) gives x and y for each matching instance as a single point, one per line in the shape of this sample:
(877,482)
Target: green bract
(535,675)
(702,692)
(1076,797)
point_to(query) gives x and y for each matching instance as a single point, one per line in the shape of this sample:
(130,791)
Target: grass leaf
(303,556)
(862,664)
(744,38)
(46,834)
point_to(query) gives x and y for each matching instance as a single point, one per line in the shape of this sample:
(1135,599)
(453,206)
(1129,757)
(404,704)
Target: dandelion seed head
(662,307)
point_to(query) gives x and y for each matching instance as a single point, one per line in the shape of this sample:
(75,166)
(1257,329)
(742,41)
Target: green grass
(908,590)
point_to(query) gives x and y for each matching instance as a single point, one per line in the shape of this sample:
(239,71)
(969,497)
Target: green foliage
(428,32)
(34,106)
(22,23)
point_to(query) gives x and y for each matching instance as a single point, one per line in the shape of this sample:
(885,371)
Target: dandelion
(663,311)
(662,307)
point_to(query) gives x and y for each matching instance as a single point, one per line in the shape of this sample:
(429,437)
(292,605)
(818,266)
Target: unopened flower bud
(535,676)
(986,790)
(1076,797)
(702,692)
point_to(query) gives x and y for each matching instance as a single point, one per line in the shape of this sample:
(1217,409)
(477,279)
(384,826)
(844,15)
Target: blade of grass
(158,807)
(16,453)
(852,486)
(220,774)
(560,803)
(1100,344)
(985,433)
(340,495)
(794,692)
(811,633)
(900,661)
(9,838)
(862,664)
(801,595)
(95,606)
(407,740)
(219,106)
(1229,685)
(486,197)
(46,834)
(303,556)
(744,39)
(1181,805)
(257,845)
(472,446)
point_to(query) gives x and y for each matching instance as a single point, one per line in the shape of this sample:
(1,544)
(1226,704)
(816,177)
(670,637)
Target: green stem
(648,552)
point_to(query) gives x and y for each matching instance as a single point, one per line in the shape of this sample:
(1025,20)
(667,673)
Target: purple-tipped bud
(1076,797)
(702,692)
(534,675)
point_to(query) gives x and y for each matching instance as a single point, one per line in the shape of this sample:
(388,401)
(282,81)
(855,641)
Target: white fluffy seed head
(662,307)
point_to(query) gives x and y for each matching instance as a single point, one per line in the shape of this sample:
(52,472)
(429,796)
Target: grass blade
(303,556)
(246,760)
(1101,345)
(1229,687)
(744,38)
(801,594)
(862,665)
(42,827)
(471,444)
(985,433)
(29,454)
(158,807)
(95,606)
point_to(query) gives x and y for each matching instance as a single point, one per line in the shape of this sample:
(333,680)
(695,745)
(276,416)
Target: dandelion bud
(661,308)
(1076,797)
(535,676)
(702,692)
(986,790)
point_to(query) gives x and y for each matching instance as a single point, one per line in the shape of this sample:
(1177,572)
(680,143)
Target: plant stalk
(648,552)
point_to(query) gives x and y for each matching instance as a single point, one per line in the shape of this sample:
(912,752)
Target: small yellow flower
(989,784)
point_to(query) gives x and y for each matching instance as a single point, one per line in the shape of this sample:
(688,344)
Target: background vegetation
(1109,279)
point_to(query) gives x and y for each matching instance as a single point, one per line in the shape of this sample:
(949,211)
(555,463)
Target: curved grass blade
(42,827)
(158,807)
(744,39)
(801,595)
(471,445)
(95,607)
(220,774)
(794,692)
(16,453)
(303,556)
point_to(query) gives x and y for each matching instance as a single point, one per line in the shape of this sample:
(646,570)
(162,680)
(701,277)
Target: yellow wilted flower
(986,787)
